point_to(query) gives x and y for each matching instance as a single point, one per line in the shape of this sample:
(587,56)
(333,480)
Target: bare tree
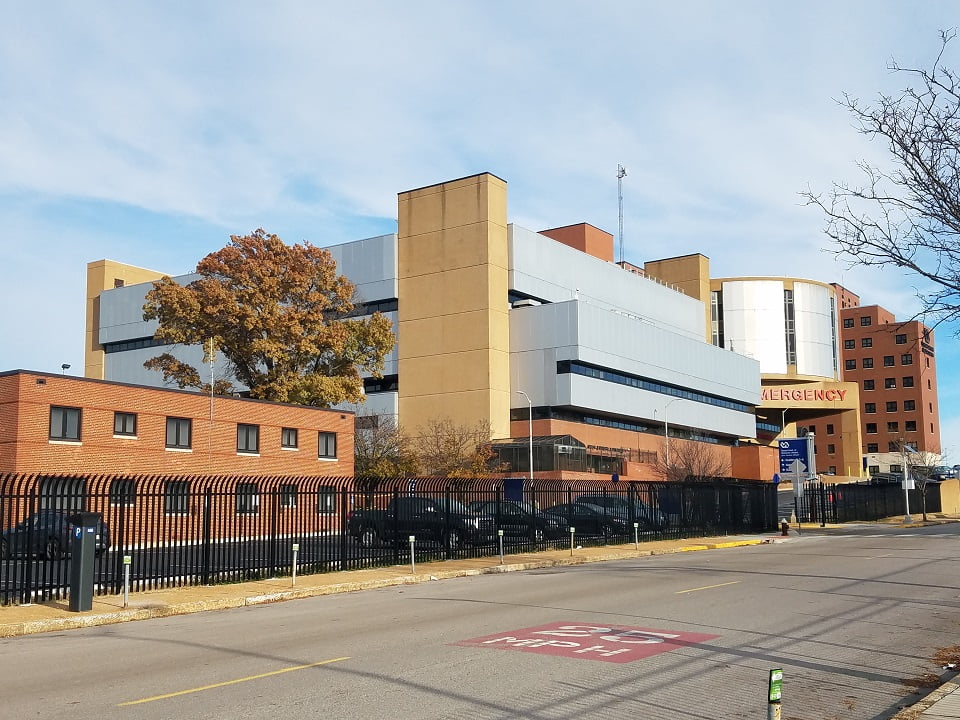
(909,215)
(692,462)
(381,450)
(445,448)
(922,465)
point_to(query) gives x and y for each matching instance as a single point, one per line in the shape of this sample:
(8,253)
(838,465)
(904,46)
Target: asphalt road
(853,619)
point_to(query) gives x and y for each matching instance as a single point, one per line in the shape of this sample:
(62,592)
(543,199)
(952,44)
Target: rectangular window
(901,339)
(849,364)
(327,445)
(871,428)
(176,497)
(868,385)
(831,449)
(873,447)
(789,327)
(867,363)
(906,359)
(288,496)
(910,425)
(869,407)
(873,469)
(288,438)
(895,468)
(866,342)
(893,426)
(892,406)
(894,447)
(248,498)
(848,322)
(178,433)
(907,381)
(64,423)
(888,361)
(248,438)
(829,428)
(327,500)
(124,423)
(849,344)
(123,492)
(909,405)
(865,322)
(889,383)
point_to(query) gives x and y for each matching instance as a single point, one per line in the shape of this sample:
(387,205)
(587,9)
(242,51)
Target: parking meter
(83,545)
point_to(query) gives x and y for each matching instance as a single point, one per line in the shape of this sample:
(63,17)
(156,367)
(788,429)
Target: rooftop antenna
(621,174)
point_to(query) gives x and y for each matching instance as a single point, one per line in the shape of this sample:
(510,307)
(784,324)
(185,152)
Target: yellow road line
(706,587)
(231,682)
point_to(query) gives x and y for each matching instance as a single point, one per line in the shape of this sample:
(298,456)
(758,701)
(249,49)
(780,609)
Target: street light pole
(529,429)
(906,476)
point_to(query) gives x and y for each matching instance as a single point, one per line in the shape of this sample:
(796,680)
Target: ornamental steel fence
(173,530)
(851,502)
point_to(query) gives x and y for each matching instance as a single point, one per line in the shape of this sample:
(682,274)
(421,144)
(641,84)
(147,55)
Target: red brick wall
(25,445)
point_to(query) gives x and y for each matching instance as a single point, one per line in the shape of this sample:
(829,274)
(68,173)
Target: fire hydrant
(784,527)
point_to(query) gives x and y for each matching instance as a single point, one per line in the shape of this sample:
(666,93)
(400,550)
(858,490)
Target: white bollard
(126,579)
(413,562)
(636,535)
(296,549)
(572,531)
(500,539)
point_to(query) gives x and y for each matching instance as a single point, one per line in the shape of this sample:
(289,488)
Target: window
(829,428)
(849,364)
(64,423)
(871,428)
(892,406)
(907,381)
(889,383)
(893,426)
(869,407)
(812,429)
(848,322)
(901,339)
(873,469)
(327,445)
(895,468)
(248,439)
(790,332)
(868,385)
(888,360)
(248,498)
(868,363)
(849,344)
(326,500)
(832,469)
(865,322)
(176,497)
(124,423)
(831,449)
(178,433)
(873,447)
(123,492)
(906,359)
(288,496)
(910,425)
(893,447)
(866,342)
(288,438)
(909,405)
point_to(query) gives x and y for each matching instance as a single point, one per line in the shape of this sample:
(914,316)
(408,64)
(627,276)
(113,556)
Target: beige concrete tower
(105,275)
(453,318)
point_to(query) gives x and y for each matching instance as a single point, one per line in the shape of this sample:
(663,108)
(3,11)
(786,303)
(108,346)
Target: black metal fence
(180,530)
(849,502)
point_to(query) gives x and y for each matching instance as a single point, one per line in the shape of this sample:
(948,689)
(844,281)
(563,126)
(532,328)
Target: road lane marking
(231,682)
(705,587)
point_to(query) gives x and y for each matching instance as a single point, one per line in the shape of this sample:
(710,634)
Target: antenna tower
(621,174)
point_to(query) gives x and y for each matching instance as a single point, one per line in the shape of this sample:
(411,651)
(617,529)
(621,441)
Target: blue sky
(149,132)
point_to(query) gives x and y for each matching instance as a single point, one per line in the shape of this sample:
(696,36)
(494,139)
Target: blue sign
(792,450)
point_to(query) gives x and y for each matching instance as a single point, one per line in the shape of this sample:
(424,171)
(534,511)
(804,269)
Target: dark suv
(48,533)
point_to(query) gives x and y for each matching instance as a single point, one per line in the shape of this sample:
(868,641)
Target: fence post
(275,532)
(26,590)
(207,540)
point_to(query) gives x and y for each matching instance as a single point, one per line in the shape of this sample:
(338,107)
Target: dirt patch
(948,656)
(927,680)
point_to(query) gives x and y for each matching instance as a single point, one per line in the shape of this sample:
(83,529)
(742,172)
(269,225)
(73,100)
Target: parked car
(650,518)
(592,519)
(430,519)
(48,533)
(522,520)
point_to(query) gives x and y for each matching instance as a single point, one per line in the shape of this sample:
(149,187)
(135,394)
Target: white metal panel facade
(549,270)
(816,336)
(370,264)
(753,322)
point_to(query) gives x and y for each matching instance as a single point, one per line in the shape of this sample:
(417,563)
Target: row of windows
(890,383)
(888,361)
(137,344)
(894,426)
(579,368)
(176,497)
(864,342)
(908,406)
(893,446)
(66,422)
